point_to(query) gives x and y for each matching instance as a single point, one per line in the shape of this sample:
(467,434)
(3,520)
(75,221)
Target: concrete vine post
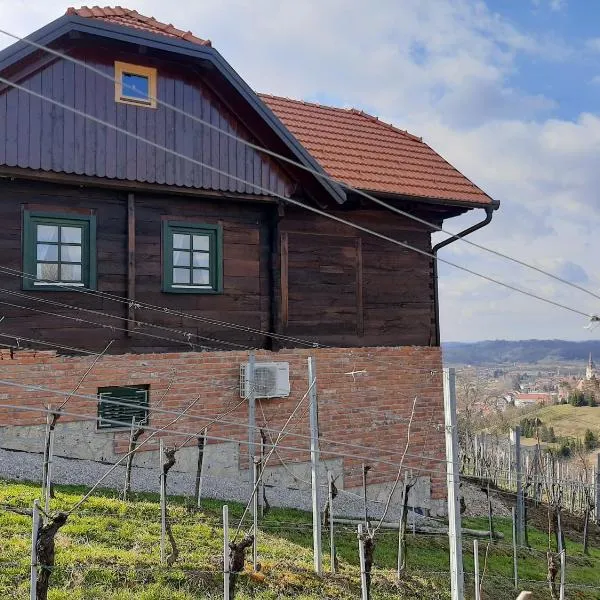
(314,461)
(35,526)
(255,471)
(452,479)
(364,592)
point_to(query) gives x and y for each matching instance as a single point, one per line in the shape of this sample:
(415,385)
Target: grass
(110,551)
(569,421)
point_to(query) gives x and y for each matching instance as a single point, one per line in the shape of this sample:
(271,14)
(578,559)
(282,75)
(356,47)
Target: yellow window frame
(122,68)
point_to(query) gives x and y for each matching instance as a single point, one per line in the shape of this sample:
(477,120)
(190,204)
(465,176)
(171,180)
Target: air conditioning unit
(271,380)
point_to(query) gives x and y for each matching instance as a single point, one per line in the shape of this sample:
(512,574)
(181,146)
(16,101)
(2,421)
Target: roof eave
(68,23)
(449,202)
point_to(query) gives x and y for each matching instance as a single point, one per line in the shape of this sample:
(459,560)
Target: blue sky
(506,90)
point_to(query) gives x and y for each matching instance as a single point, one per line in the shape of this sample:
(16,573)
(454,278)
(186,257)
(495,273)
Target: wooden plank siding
(35,134)
(347,288)
(288,272)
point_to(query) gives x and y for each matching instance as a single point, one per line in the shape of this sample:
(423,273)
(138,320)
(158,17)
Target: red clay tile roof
(350,145)
(367,153)
(131,18)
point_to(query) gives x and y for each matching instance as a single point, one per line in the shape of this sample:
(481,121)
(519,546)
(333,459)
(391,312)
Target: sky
(507,90)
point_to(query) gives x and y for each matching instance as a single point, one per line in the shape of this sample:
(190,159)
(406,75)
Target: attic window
(135,84)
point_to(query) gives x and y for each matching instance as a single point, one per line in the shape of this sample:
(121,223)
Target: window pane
(135,86)
(47,271)
(70,272)
(47,233)
(202,259)
(70,253)
(70,235)
(47,252)
(201,277)
(181,259)
(181,276)
(181,240)
(202,242)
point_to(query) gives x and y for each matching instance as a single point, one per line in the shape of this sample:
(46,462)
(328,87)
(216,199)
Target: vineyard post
(226,552)
(34,536)
(314,460)
(163,502)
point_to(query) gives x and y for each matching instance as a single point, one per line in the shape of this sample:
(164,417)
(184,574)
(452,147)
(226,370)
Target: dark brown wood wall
(247,279)
(293,273)
(37,135)
(350,288)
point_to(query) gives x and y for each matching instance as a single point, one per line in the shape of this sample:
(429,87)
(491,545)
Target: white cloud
(443,70)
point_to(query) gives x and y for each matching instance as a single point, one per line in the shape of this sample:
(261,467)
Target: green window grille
(123,404)
(192,258)
(58,251)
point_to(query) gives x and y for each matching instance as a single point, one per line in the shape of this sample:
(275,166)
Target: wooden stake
(476,561)
(225,552)
(163,503)
(331,536)
(34,537)
(200,468)
(514,542)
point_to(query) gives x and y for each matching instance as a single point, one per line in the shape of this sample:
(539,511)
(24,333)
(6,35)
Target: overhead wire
(316,172)
(136,322)
(294,202)
(122,402)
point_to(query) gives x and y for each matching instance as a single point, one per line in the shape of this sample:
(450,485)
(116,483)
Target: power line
(294,202)
(116,402)
(170,311)
(186,335)
(320,174)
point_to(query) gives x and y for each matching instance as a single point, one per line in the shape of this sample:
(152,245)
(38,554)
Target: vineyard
(109,550)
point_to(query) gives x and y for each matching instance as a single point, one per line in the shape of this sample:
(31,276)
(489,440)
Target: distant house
(533,398)
(186,265)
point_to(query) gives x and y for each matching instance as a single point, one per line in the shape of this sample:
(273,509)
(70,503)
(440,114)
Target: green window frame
(59,251)
(192,258)
(137,396)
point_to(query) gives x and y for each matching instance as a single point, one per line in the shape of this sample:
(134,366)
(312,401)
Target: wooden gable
(36,134)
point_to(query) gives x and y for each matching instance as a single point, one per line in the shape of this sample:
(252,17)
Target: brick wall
(365,398)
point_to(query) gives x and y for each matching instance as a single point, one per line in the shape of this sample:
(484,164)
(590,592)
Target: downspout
(489,213)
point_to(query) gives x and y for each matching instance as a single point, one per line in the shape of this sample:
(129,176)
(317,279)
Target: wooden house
(136,206)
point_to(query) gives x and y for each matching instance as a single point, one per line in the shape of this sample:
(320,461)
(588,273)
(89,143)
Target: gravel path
(25,466)
(477,504)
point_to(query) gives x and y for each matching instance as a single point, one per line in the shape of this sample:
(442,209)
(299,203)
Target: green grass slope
(109,550)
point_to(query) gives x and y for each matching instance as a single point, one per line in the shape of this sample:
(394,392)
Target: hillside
(109,551)
(498,352)
(567,420)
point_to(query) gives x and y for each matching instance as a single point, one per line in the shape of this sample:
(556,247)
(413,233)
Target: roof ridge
(355,111)
(106,12)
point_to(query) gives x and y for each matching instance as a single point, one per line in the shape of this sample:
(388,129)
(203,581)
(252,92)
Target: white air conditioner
(271,380)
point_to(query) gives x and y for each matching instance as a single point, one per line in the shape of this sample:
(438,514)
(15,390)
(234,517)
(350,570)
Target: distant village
(521,386)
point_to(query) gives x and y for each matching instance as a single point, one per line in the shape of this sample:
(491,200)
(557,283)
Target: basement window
(118,406)
(59,250)
(192,258)
(135,84)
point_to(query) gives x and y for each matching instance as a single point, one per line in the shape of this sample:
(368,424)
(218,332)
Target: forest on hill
(497,352)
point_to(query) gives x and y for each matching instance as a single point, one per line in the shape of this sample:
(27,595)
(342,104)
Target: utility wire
(292,201)
(318,173)
(39,388)
(186,335)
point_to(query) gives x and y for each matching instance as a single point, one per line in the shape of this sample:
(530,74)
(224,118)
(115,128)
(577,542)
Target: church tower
(590,371)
